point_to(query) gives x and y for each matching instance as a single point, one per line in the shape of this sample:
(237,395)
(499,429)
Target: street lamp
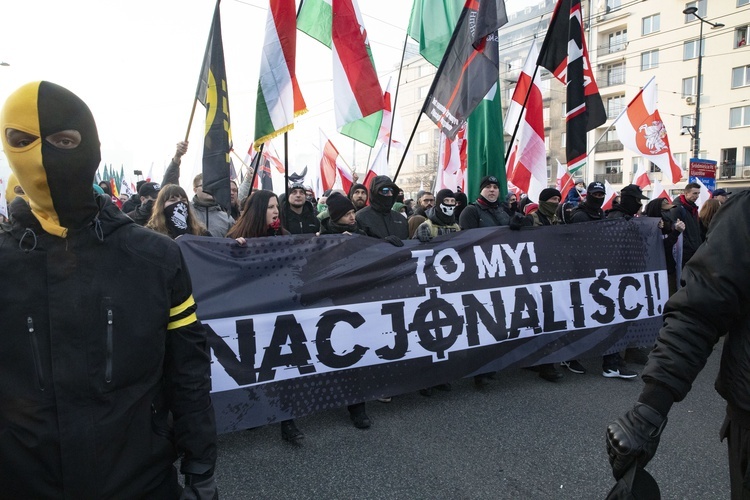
(697,125)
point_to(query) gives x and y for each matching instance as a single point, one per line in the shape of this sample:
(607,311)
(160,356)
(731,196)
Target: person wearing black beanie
(441,218)
(486,212)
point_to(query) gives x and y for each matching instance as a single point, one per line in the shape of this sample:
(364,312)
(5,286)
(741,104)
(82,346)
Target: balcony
(615,178)
(609,146)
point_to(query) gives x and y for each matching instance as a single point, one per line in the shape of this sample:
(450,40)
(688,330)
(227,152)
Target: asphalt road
(520,438)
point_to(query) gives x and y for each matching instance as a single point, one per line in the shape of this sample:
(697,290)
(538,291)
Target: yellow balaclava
(57,181)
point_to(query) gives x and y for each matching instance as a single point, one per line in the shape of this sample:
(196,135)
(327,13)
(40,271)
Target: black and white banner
(299,324)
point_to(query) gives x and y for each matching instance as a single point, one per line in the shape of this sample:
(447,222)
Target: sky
(136,64)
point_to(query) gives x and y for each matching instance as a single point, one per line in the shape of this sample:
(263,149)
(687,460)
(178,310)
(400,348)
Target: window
(564,109)
(650,59)
(740,36)
(688,87)
(611,136)
(616,73)
(740,76)
(701,5)
(615,105)
(739,117)
(422,160)
(612,166)
(690,49)
(682,160)
(563,139)
(423,137)
(546,145)
(650,24)
(426,69)
(613,4)
(618,41)
(636,163)
(740,3)
(423,91)
(653,168)
(746,156)
(688,121)
(545,116)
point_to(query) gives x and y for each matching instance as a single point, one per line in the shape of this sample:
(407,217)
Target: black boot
(359,416)
(289,432)
(549,372)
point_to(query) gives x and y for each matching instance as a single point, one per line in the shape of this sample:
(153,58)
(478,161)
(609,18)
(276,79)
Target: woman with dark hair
(261,217)
(660,207)
(172,215)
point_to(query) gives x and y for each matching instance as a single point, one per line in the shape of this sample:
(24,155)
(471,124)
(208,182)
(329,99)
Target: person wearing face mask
(591,208)
(102,387)
(511,205)
(486,212)
(172,214)
(544,214)
(629,204)
(441,218)
(148,193)
(378,219)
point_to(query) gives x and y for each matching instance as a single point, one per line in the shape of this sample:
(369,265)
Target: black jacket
(476,215)
(586,213)
(99,344)
(712,303)
(304,223)
(691,236)
(142,213)
(377,219)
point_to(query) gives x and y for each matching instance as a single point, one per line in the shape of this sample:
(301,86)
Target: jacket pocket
(35,354)
(109,341)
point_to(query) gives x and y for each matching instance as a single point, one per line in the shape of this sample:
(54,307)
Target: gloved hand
(634,438)
(200,487)
(394,240)
(516,222)
(423,233)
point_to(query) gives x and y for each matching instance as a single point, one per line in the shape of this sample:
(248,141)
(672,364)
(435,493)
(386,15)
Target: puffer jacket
(100,343)
(712,303)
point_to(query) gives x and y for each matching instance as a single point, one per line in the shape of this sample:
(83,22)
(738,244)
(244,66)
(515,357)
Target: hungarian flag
(212,93)
(431,24)
(640,178)
(358,98)
(469,68)
(609,196)
(660,192)
(565,181)
(452,163)
(564,54)
(279,98)
(641,130)
(378,167)
(528,170)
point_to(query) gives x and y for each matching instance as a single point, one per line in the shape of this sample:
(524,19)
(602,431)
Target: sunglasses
(386,190)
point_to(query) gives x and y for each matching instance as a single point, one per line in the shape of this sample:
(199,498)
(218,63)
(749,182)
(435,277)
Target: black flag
(469,67)
(564,54)
(212,93)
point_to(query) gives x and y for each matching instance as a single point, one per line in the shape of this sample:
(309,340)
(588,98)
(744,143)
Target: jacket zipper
(108,368)
(35,353)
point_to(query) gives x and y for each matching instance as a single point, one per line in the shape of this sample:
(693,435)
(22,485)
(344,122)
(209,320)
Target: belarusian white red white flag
(641,130)
(379,166)
(527,165)
(391,128)
(609,196)
(452,162)
(704,195)
(564,180)
(640,178)
(328,159)
(660,192)
(345,176)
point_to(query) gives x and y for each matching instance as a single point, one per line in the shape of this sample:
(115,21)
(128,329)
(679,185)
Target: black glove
(423,233)
(517,222)
(394,240)
(634,438)
(200,487)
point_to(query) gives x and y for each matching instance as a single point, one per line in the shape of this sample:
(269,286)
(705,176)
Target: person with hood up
(102,387)
(378,219)
(441,219)
(511,204)
(629,204)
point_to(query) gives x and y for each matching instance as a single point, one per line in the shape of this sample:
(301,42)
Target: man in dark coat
(377,219)
(486,212)
(713,303)
(298,214)
(591,208)
(686,210)
(101,386)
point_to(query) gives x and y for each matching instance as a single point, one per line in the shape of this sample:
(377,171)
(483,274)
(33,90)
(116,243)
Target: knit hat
(338,205)
(489,179)
(443,194)
(548,193)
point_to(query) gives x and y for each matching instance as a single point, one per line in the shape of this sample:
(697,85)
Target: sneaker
(575,366)
(290,432)
(618,372)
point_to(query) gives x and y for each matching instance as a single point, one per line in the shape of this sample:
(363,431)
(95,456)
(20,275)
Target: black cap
(487,180)
(149,190)
(596,187)
(721,192)
(634,191)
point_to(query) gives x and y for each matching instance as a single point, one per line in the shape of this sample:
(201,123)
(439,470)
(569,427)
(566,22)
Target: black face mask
(176,218)
(594,202)
(630,204)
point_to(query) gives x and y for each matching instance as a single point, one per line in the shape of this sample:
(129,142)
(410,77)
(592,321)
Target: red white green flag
(279,98)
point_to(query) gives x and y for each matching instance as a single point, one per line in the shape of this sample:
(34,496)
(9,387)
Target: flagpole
(190,122)
(625,110)
(395,99)
(255,168)
(286,164)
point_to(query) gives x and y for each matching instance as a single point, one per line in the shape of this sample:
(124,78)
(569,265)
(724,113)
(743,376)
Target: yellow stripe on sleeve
(190,301)
(182,322)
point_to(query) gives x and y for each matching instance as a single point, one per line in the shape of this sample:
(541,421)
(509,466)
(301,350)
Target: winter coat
(211,215)
(303,223)
(100,343)
(377,219)
(477,215)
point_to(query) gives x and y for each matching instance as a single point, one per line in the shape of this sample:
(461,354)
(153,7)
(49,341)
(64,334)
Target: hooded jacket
(90,371)
(142,213)
(211,215)
(378,219)
(303,223)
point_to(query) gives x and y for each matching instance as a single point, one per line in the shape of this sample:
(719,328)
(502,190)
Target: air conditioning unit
(746,174)
(690,99)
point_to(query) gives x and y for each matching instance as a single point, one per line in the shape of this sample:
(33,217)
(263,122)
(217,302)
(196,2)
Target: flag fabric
(469,68)
(125,188)
(213,94)
(659,192)
(703,196)
(452,163)
(640,129)
(150,174)
(565,55)
(379,166)
(3,200)
(565,181)
(328,162)
(358,98)
(431,24)
(345,177)
(279,98)
(391,122)
(485,150)
(609,196)
(640,178)
(528,170)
